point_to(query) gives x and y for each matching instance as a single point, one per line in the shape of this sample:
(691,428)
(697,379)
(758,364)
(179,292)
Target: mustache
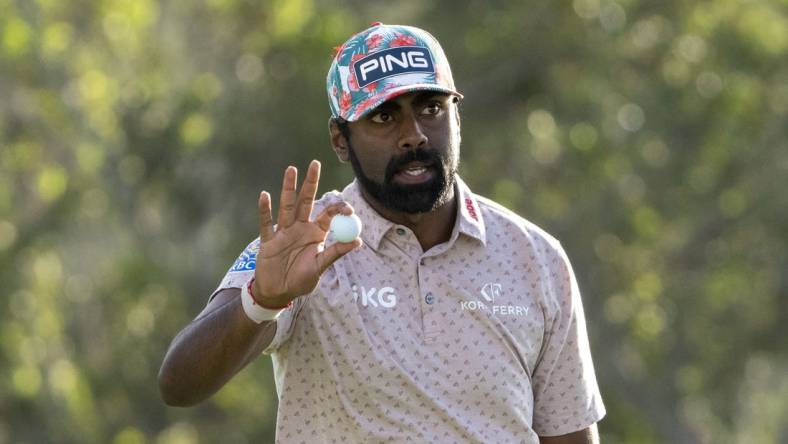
(427,156)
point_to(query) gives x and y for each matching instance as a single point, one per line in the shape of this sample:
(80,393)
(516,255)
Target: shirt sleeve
(566,394)
(239,274)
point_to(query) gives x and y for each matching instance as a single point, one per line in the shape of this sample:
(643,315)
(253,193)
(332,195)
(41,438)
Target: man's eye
(381,117)
(432,109)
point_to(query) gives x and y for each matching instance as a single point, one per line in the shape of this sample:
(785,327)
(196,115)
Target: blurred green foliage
(650,137)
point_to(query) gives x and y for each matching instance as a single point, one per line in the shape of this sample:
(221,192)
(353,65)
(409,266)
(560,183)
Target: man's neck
(430,228)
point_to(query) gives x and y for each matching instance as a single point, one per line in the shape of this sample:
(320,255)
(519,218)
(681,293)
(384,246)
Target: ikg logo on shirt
(489,292)
(384,297)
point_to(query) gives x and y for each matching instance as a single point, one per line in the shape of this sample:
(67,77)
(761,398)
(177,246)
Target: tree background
(135,135)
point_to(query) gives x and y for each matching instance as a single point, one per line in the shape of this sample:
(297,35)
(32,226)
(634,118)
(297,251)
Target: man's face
(405,153)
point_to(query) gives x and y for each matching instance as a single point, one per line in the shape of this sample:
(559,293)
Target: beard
(410,198)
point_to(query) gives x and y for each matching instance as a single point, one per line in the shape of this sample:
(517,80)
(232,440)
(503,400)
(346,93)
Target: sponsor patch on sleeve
(248,259)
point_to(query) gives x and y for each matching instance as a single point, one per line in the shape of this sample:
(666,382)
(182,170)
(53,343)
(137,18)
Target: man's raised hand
(292,257)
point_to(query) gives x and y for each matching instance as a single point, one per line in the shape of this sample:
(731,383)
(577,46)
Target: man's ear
(456,101)
(338,141)
(457,118)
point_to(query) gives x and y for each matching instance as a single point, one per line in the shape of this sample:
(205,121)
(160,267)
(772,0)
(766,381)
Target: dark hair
(343,126)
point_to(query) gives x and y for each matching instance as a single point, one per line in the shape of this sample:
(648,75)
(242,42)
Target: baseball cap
(383,62)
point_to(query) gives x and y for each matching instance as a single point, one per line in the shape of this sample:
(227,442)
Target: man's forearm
(210,350)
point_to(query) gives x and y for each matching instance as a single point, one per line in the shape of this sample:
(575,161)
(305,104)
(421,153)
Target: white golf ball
(345,228)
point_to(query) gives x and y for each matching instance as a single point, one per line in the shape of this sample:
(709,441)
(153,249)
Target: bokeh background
(649,136)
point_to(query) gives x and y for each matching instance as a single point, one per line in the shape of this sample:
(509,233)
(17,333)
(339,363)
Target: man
(450,319)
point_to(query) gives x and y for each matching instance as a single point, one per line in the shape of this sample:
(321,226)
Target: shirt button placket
(429,315)
(429,306)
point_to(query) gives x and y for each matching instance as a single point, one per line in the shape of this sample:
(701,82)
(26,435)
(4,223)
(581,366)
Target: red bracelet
(250,287)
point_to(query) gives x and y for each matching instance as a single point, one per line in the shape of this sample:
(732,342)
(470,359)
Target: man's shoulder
(498,218)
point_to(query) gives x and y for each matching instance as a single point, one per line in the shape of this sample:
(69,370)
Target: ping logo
(392,62)
(384,297)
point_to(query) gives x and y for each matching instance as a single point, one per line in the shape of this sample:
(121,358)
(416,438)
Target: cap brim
(392,93)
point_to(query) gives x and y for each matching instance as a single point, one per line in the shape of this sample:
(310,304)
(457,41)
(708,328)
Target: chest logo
(489,292)
(385,297)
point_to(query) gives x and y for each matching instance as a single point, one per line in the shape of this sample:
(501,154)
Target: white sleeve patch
(248,258)
(242,269)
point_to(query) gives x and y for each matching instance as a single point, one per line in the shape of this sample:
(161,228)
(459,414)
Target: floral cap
(383,62)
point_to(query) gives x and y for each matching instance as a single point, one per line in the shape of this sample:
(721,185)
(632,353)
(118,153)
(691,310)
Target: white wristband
(255,311)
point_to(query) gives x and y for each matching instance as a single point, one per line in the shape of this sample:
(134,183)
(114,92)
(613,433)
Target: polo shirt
(480,339)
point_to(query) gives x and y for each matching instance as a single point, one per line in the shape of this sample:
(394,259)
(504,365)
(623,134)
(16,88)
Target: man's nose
(411,134)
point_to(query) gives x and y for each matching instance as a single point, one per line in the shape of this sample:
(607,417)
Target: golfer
(450,319)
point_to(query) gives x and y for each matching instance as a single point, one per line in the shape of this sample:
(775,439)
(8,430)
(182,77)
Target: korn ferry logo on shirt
(489,292)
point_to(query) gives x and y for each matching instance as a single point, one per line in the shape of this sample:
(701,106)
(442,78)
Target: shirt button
(400,231)
(429,299)
(421,262)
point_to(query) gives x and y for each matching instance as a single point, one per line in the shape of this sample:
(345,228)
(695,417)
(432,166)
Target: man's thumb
(334,252)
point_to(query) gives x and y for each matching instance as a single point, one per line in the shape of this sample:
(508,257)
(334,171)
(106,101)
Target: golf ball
(345,228)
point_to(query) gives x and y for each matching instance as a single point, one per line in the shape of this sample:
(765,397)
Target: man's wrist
(267,302)
(256,311)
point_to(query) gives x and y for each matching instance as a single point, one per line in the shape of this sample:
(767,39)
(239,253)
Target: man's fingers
(334,252)
(287,201)
(323,220)
(308,191)
(266,220)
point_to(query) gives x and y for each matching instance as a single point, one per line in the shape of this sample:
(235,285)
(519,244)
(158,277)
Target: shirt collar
(374,226)
(469,217)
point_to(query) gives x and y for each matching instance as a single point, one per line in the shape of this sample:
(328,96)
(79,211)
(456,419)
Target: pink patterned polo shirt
(479,339)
